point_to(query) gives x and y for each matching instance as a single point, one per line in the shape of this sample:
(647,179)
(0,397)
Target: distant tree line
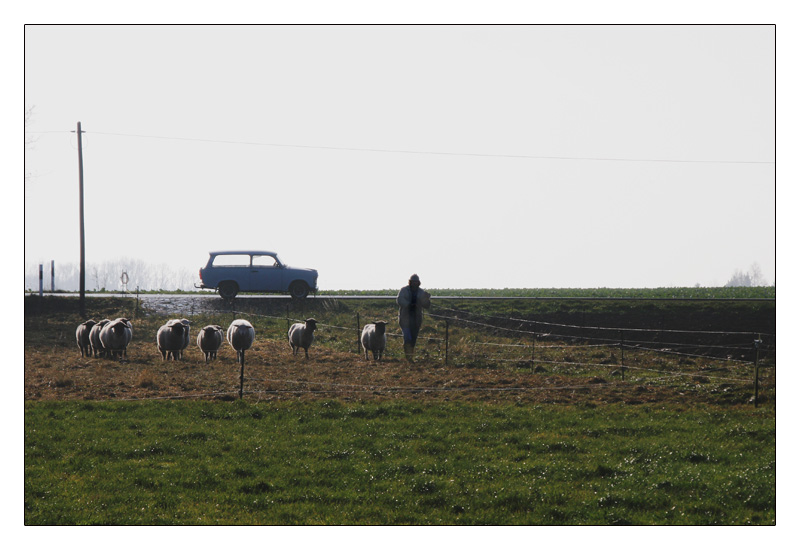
(108,276)
(754,277)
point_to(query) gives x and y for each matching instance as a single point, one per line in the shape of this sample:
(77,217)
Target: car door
(266,274)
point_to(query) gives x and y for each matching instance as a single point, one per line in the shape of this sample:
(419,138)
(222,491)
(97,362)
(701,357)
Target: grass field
(340,440)
(329,462)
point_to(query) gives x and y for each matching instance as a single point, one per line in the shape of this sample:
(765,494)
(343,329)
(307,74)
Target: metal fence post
(757,345)
(358,328)
(241,375)
(622,353)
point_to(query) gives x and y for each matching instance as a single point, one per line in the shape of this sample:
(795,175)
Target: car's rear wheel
(298,289)
(228,290)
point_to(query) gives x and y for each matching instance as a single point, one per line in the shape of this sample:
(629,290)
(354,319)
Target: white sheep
(82,336)
(301,335)
(373,338)
(115,337)
(241,336)
(171,338)
(209,339)
(94,338)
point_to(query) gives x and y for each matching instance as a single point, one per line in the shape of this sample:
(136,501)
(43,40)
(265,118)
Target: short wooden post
(757,345)
(358,332)
(41,288)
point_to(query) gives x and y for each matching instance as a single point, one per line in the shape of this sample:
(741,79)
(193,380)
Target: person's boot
(409,351)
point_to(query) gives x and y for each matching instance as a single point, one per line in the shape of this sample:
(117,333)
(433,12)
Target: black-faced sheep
(241,336)
(170,339)
(373,338)
(209,339)
(82,336)
(185,337)
(301,335)
(115,337)
(94,338)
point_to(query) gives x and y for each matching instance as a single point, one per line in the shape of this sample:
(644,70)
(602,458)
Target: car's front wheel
(298,289)
(228,290)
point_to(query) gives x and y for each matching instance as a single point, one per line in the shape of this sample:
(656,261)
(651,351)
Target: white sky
(372,152)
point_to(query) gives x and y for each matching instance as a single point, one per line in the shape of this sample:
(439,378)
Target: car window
(264,261)
(228,260)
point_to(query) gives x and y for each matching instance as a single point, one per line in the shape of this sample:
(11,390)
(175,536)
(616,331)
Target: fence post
(358,328)
(241,375)
(52,275)
(622,353)
(287,318)
(757,345)
(446,340)
(41,289)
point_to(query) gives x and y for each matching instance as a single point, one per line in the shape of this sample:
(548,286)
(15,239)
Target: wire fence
(456,338)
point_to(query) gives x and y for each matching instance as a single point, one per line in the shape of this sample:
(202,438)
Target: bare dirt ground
(273,373)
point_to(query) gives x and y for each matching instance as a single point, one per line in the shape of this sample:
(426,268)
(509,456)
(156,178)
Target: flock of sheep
(111,338)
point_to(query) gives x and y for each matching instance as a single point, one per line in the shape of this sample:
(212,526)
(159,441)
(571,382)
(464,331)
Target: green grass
(396,462)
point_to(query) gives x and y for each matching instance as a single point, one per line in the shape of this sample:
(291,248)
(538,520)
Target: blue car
(234,271)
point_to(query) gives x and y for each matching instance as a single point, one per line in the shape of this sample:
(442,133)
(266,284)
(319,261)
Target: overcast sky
(477,156)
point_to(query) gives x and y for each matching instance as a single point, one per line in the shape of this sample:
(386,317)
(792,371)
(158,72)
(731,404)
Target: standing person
(411,299)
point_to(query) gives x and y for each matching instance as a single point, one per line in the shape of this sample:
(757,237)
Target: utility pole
(83,240)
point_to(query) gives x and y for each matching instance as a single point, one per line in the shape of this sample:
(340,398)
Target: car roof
(254,252)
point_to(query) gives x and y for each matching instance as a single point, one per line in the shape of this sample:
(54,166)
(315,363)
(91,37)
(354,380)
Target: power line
(439,153)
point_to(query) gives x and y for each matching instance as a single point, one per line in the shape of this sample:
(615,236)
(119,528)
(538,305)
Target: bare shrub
(63,381)
(146,380)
